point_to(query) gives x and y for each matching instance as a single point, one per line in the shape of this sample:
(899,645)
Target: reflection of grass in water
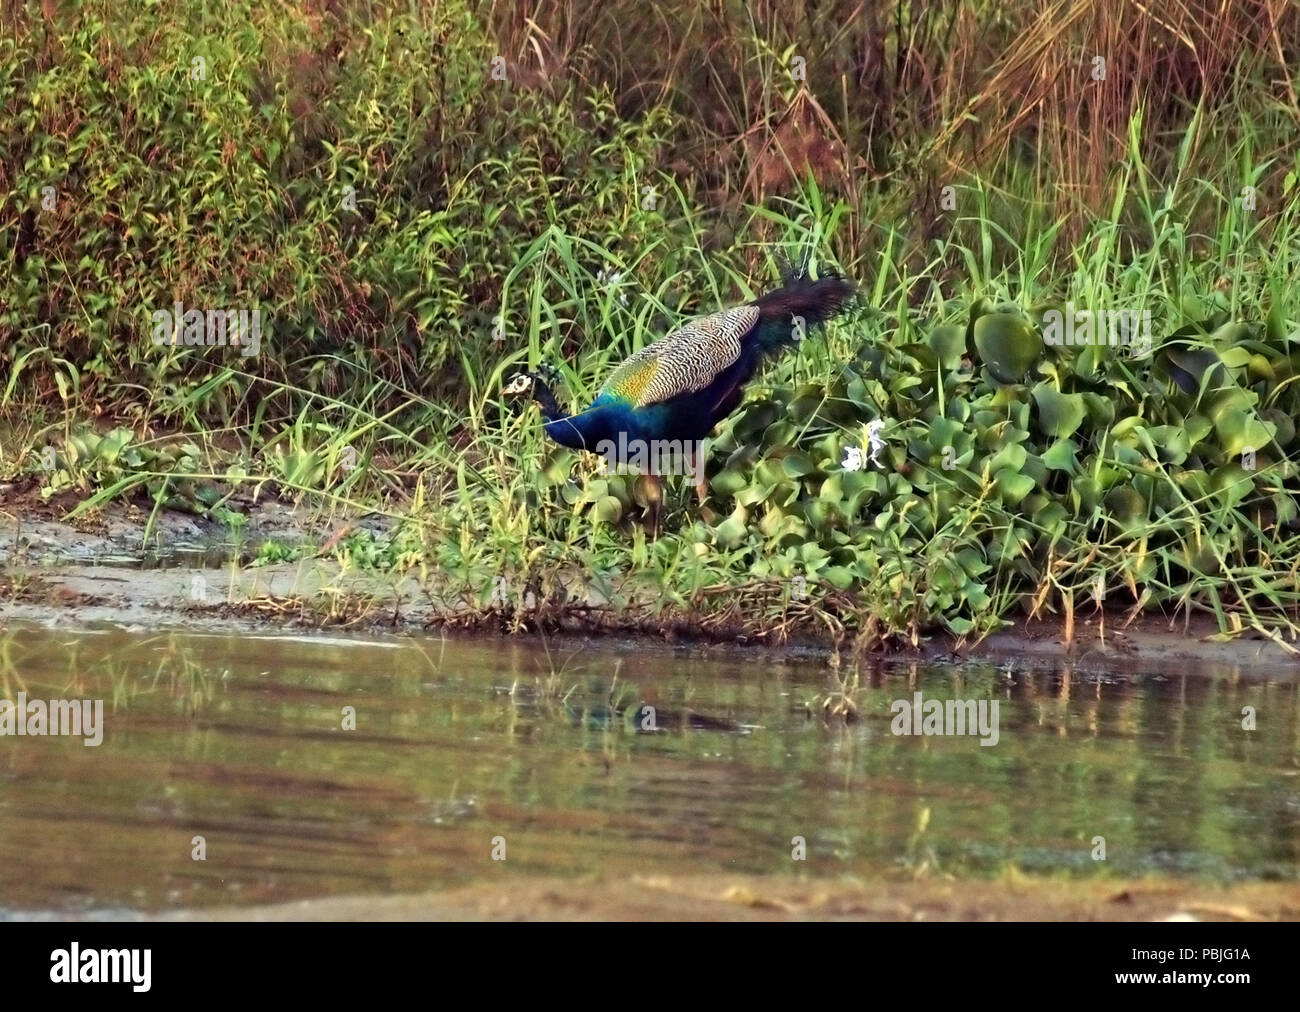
(840,698)
(8,669)
(190,683)
(560,699)
(123,680)
(549,691)
(919,857)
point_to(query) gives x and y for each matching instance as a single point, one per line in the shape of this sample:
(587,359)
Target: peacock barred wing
(684,361)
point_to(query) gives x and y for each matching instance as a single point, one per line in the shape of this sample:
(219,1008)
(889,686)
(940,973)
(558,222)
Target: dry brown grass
(974,78)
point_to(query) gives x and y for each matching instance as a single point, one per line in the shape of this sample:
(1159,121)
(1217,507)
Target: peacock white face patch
(517,384)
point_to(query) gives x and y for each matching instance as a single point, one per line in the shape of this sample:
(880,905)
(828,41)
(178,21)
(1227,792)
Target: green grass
(485,215)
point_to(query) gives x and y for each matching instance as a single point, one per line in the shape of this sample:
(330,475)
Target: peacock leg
(649,491)
(656,504)
(701,479)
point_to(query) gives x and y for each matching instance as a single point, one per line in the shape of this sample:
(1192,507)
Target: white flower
(612,279)
(873,438)
(852,458)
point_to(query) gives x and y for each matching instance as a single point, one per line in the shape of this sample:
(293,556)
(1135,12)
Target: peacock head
(528,382)
(536,386)
(519,383)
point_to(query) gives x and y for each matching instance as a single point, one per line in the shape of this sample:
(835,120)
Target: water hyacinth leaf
(1063,455)
(1232,483)
(556,471)
(1239,429)
(1198,557)
(904,382)
(977,598)
(920,357)
(1129,455)
(1052,518)
(1126,505)
(779,434)
(1059,415)
(1034,468)
(1197,428)
(1018,414)
(839,577)
(870,482)
(957,625)
(1235,357)
(948,342)
(1007,345)
(620,487)
(770,472)
(732,531)
(859,393)
(1012,485)
(752,495)
(1169,443)
(1144,440)
(798,465)
(778,525)
(980,307)
(112,445)
(812,556)
(822,514)
(944,432)
(1101,410)
(1122,430)
(1283,426)
(945,574)
(972,562)
(805,404)
(1032,503)
(1193,369)
(755,421)
(1195,484)
(1260,368)
(1010,457)
(728,482)
(1228,399)
(1227,337)
(1088,363)
(1085,494)
(607,510)
(1167,498)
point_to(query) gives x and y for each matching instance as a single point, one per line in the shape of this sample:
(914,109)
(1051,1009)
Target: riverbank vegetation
(420,203)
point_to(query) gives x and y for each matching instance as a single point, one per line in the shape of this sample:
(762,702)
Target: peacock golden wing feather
(684,361)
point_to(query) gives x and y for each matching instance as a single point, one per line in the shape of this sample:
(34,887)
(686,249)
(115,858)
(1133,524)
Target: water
(235,743)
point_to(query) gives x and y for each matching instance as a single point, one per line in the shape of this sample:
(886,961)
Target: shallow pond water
(545,754)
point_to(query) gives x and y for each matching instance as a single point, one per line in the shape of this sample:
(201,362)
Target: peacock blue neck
(607,419)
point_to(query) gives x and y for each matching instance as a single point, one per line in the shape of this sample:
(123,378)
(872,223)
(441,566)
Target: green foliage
(323,170)
(489,217)
(1100,463)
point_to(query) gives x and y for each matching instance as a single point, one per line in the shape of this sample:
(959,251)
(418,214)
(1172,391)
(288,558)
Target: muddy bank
(193,576)
(766,898)
(318,593)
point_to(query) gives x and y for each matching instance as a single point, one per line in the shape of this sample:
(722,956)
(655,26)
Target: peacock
(675,390)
